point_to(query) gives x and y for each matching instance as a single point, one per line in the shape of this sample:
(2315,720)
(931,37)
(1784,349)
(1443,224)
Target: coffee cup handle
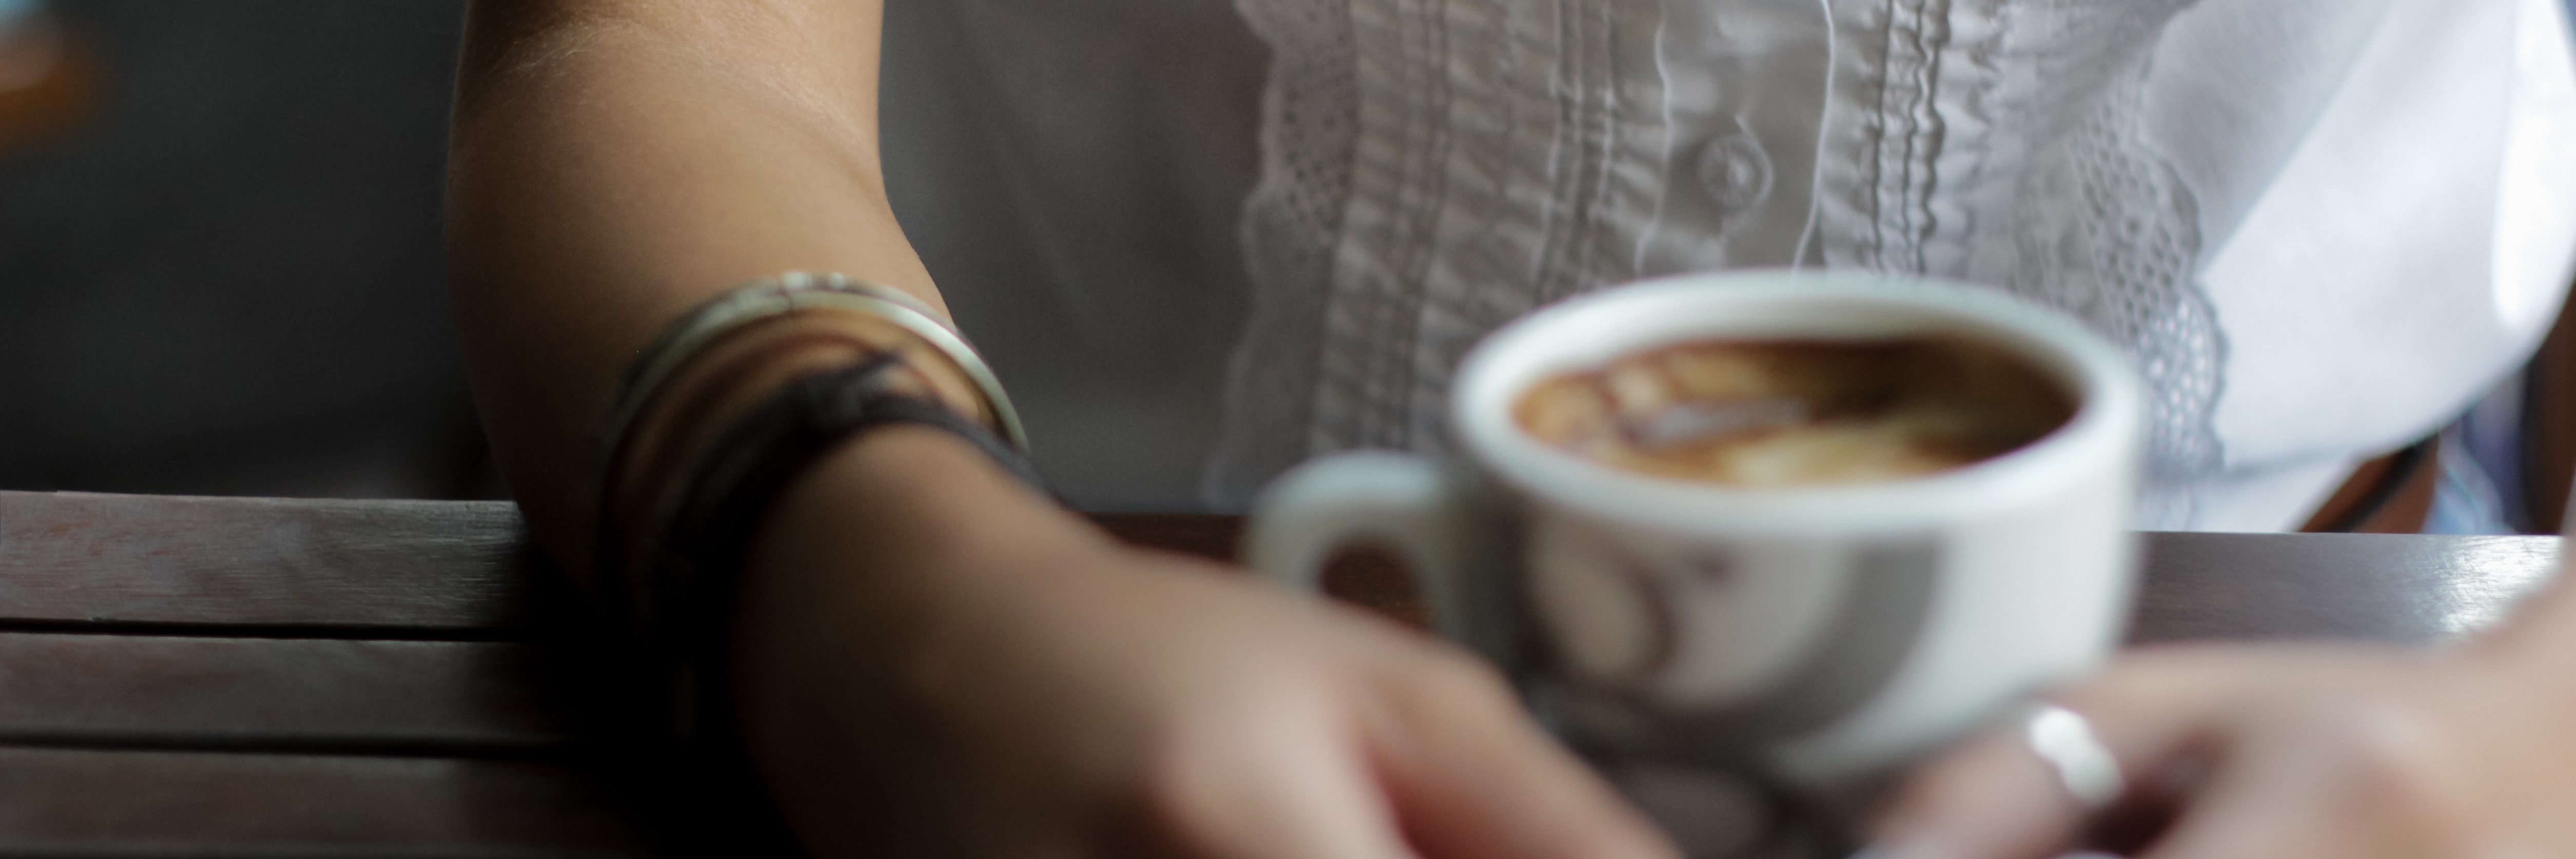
(1412,505)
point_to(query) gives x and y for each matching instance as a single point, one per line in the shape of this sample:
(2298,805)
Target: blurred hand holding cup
(1812,638)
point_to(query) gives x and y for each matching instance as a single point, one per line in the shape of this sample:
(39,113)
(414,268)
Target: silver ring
(2085,768)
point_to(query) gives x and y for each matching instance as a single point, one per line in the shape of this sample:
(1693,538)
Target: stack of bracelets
(671,574)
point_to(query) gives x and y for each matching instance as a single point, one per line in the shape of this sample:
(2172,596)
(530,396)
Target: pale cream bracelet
(769,298)
(746,305)
(674,579)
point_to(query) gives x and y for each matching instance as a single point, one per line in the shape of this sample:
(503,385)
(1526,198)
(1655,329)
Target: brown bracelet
(676,598)
(681,601)
(702,328)
(691,563)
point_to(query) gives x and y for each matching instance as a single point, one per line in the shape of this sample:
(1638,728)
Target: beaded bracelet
(693,562)
(783,295)
(690,571)
(769,298)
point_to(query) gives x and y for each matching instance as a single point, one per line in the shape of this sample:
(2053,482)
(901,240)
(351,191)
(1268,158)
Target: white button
(1735,172)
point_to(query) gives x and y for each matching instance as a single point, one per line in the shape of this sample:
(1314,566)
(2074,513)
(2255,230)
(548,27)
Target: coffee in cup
(1782,413)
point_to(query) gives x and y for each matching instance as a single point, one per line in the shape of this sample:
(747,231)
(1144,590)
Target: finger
(2237,817)
(1995,798)
(2303,784)
(1990,799)
(1292,788)
(1472,776)
(2226,830)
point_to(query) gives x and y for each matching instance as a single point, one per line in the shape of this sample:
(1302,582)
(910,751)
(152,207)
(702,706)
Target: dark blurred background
(219,250)
(220,264)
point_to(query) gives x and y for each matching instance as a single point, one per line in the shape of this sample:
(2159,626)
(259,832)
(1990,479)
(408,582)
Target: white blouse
(2322,227)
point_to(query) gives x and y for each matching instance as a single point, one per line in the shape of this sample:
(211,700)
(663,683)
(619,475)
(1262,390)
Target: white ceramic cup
(1821,634)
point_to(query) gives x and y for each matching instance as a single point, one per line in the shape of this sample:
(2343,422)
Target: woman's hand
(956,668)
(2282,753)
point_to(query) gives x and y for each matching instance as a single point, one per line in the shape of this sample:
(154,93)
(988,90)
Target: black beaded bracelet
(671,583)
(681,593)
(785,295)
(690,570)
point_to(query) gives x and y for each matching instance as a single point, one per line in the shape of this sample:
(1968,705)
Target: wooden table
(247,677)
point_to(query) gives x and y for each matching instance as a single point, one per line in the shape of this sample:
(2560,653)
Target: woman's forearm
(616,162)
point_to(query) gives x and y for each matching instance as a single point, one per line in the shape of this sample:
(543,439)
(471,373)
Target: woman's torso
(2322,226)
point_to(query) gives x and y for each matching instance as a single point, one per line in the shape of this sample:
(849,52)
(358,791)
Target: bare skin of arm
(615,162)
(930,658)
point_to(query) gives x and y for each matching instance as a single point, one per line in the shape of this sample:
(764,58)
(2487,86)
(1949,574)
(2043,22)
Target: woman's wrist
(897,541)
(728,381)
(877,525)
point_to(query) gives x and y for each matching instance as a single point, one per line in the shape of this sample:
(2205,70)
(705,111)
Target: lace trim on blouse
(1435,168)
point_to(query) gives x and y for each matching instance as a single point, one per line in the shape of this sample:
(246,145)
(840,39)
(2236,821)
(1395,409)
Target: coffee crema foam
(1786,412)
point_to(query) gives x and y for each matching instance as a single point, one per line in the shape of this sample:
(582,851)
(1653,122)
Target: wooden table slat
(80,803)
(402,565)
(216,692)
(2386,589)
(464,567)
(256,693)
(2376,588)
